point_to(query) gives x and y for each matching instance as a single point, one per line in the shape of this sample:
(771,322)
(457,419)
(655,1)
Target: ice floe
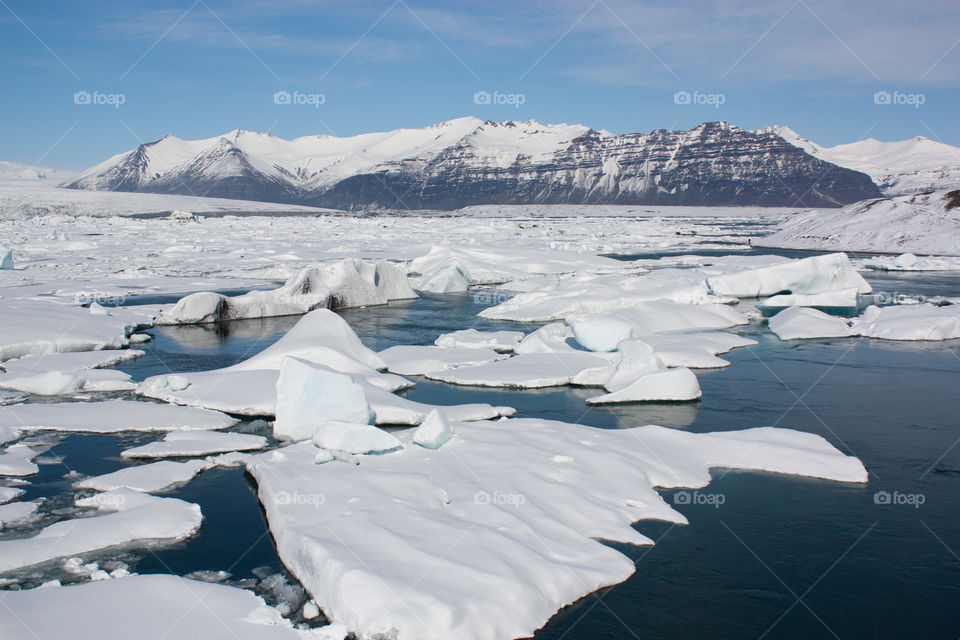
(16,512)
(803,322)
(65,373)
(909,322)
(111,416)
(37,327)
(10,493)
(418,360)
(129,518)
(154,476)
(178,444)
(525,371)
(501,341)
(504,518)
(339,284)
(145,606)
(17,460)
(911,262)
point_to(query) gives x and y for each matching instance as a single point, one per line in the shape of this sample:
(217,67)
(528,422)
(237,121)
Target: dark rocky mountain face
(712,164)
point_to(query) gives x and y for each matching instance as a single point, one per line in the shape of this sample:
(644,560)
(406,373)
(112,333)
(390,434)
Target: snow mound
(802,322)
(925,223)
(340,284)
(817,274)
(518,534)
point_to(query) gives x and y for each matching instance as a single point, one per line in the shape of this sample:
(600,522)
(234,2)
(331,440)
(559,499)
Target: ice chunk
(144,606)
(671,385)
(339,284)
(517,534)
(845,299)
(6,258)
(447,279)
(550,338)
(15,460)
(803,322)
(352,437)
(433,432)
(133,517)
(817,274)
(599,332)
(111,416)
(309,395)
(155,476)
(196,443)
(909,322)
(15,512)
(473,339)
(418,360)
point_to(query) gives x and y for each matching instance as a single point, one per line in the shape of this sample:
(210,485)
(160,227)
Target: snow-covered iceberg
(411,545)
(309,395)
(340,284)
(803,322)
(817,274)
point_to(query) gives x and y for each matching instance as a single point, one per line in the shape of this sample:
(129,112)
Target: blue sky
(200,68)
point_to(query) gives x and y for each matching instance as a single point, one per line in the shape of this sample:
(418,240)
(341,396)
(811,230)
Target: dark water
(782,557)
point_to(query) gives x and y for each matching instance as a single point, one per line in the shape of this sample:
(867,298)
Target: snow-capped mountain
(898,168)
(22,173)
(467,161)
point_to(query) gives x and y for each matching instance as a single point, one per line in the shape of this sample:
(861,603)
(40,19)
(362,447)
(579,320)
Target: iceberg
(518,534)
(178,444)
(310,395)
(340,284)
(802,322)
(818,274)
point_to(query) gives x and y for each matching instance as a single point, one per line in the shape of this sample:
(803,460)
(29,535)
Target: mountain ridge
(468,161)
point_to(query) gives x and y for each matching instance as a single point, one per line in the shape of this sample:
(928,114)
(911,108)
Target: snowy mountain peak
(915,165)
